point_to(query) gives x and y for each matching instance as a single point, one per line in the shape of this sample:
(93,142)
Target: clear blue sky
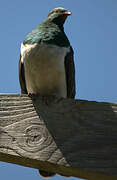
(92,31)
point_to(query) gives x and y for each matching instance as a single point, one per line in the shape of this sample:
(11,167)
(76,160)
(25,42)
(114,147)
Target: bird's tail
(46,174)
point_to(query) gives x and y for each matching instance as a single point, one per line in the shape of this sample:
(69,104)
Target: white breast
(44,69)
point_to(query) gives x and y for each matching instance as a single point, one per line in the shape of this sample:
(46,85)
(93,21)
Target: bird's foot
(32,95)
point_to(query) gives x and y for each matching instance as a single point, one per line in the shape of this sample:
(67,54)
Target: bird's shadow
(80,135)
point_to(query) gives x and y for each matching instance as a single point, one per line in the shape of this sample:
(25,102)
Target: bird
(46,63)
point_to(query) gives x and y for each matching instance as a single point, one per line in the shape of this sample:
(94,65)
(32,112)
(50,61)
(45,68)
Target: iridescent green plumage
(50,31)
(47,32)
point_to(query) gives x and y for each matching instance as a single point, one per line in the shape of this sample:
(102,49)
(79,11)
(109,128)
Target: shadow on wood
(69,137)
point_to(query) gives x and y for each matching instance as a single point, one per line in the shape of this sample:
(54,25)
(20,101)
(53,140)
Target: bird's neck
(58,22)
(61,27)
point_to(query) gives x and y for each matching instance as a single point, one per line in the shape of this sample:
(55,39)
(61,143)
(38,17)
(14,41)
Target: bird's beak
(68,13)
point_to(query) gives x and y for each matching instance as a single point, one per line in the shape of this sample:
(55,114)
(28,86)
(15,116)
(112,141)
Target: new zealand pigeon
(46,63)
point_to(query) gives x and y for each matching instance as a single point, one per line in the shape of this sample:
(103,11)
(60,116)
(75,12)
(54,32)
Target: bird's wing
(34,37)
(70,74)
(22,77)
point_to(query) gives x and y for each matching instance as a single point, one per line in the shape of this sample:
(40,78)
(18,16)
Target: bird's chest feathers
(44,58)
(44,66)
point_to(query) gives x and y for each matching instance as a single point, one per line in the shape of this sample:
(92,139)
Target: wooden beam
(69,137)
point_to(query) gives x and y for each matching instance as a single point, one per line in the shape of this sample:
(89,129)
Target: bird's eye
(56,11)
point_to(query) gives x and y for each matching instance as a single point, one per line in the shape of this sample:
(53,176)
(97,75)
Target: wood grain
(69,137)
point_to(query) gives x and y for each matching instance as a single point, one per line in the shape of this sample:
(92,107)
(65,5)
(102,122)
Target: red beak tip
(68,13)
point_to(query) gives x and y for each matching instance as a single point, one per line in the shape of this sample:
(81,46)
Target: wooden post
(69,137)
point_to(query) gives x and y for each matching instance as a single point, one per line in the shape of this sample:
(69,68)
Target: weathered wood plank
(69,137)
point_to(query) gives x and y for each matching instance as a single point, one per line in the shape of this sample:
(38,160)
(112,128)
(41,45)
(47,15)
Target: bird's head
(58,15)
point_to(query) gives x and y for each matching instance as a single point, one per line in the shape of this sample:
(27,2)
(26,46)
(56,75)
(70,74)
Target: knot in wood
(36,138)
(33,135)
